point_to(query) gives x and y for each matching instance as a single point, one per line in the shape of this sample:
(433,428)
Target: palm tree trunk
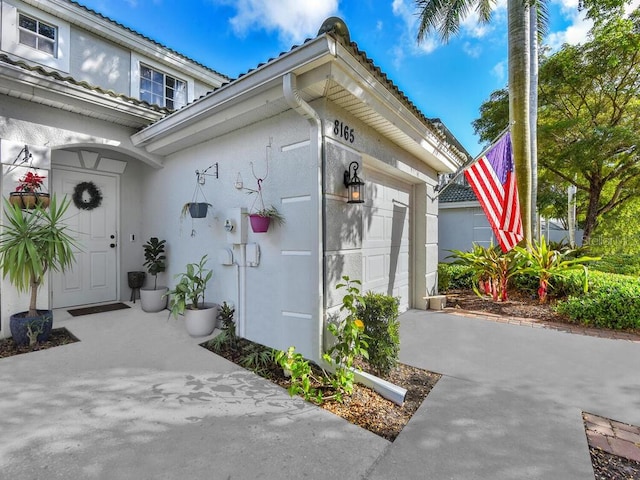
(519,87)
(533,119)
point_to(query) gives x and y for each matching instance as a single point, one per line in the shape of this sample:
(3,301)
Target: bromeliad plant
(491,269)
(545,263)
(30,182)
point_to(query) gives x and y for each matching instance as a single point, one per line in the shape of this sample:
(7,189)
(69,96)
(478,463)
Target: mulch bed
(365,407)
(611,467)
(59,336)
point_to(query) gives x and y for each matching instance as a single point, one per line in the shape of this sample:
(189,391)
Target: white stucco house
(101,103)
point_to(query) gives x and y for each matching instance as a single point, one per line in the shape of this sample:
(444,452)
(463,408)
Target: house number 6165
(343,131)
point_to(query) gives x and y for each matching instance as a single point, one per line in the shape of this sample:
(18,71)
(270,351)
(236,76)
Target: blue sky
(448,81)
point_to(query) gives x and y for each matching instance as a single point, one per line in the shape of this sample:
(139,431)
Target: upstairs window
(158,88)
(36,34)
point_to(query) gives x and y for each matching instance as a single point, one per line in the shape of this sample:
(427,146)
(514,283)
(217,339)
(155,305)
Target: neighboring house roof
(457,193)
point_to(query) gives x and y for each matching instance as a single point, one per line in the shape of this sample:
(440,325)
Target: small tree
(154,258)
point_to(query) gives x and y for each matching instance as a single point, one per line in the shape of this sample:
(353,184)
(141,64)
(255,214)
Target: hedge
(613,301)
(454,277)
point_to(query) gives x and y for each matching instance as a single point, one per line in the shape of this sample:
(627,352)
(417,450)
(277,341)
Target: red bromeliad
(30,182)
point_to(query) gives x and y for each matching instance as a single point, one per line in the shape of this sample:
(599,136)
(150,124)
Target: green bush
(380,317)
(452,276)
(622,264)
(613,301)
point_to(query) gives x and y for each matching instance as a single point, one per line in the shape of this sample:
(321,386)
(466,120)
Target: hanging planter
(260,218)
(29,200)
(27,194)
(259,224)
(197,208)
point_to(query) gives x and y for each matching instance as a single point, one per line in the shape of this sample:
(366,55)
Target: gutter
(289,85)
(293,98)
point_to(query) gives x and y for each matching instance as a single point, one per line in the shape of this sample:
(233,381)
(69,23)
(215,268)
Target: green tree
(590,118)
(445,16)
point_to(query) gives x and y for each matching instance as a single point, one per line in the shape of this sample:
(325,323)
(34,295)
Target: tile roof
(435,125)
(72,81)
(457,193)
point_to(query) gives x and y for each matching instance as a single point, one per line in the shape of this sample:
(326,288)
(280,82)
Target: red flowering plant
(31,182)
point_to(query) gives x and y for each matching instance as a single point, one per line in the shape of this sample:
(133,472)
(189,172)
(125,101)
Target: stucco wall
(460,228)
(283,296)
(99,62)
(52,130)
(344,223)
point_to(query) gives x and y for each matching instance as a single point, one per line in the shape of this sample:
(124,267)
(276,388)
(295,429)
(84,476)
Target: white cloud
(294,20)
(469,28)
(576,31)
(405,11)
(472,50)
(499,71)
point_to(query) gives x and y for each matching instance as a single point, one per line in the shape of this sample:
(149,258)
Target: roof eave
(21,83)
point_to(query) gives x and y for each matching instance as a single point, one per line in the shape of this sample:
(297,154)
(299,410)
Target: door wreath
(94,196)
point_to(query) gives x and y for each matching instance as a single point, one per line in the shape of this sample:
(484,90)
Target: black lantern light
(354,184)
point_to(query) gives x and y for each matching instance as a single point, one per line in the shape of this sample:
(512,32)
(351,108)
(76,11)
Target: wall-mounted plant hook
(201,175)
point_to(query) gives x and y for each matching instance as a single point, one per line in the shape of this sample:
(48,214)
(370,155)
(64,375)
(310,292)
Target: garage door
(386,234)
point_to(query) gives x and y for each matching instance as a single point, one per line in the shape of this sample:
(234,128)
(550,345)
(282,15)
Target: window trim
(9,40)
(164,86)
(137,60)
(37,34)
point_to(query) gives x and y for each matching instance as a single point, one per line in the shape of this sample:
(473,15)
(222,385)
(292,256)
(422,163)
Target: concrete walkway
(137,398)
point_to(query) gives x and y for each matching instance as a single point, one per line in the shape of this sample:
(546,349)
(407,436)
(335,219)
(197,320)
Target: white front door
(385,237)
(92,279)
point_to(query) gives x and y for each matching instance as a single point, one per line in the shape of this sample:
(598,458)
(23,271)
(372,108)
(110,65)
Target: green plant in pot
(154,299)
(187,299)
(261,219)
(32,242)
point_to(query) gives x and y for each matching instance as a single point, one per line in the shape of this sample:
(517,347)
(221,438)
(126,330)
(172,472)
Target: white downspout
(289,83)
(293,98)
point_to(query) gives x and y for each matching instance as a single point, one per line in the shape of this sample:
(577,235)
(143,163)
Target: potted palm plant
(187,299)
(28,192)
(154,299)
(32,242)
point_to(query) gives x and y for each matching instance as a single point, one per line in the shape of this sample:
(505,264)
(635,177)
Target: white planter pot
(201,322)
(153,300)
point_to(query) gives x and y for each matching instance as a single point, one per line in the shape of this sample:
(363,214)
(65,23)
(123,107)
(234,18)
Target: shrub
(380,316)
(452,276)
(622,264)
(613,301)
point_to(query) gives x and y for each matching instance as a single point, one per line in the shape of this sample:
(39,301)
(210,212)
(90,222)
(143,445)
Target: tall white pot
(201,322)
(153,300)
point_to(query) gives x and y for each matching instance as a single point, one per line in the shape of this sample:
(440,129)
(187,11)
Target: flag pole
(467,164)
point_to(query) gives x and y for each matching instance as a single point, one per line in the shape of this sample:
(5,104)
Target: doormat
(76,312)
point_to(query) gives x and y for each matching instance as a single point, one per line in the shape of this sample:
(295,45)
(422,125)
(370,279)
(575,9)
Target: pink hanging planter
(259,224)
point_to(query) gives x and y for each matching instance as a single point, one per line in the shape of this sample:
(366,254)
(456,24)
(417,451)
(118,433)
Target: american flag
(493,179)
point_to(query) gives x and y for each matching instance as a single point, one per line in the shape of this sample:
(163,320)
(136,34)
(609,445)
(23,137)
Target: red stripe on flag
(499,202)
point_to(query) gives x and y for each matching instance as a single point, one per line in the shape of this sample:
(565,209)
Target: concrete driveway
(137,398)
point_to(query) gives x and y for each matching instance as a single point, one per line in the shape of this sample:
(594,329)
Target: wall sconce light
(354,184)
